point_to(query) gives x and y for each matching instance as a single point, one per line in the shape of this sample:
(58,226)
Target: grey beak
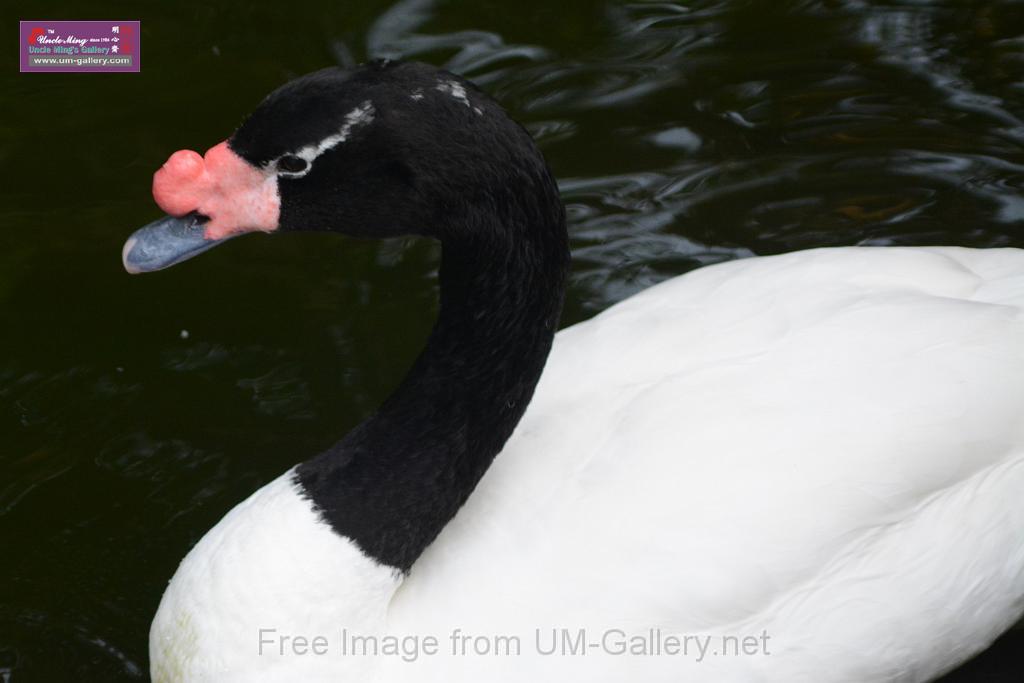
(165,242)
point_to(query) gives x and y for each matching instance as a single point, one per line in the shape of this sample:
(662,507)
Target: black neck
(393,483)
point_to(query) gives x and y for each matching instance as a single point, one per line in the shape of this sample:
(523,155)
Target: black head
(385,149)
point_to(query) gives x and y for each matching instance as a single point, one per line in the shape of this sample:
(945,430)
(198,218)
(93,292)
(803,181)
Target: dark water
(135,411)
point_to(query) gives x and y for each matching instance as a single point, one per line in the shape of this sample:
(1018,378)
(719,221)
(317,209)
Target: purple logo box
(61,46)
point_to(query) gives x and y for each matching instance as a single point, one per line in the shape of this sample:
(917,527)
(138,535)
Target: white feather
(359,116)
(270,564)
(824,447)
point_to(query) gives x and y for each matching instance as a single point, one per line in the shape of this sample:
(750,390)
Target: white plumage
(825,447)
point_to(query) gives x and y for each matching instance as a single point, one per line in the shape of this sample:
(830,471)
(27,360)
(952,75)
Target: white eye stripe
(360,116)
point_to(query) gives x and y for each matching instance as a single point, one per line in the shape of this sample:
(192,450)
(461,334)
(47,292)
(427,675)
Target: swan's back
(825,447)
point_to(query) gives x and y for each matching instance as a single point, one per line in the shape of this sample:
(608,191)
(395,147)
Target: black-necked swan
(805,467)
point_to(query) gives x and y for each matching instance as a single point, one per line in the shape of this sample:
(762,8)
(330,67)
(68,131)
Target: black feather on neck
(393,483)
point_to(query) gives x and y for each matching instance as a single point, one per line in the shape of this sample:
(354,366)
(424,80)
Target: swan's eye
(290,163)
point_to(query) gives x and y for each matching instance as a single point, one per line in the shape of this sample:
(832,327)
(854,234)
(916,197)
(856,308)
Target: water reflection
(682,135)
(870,128)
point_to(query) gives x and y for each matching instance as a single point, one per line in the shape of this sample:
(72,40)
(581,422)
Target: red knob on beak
(231,193)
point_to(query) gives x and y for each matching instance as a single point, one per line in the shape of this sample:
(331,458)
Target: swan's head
(382,150)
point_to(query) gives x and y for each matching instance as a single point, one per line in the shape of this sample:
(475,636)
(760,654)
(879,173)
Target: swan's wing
(825,445)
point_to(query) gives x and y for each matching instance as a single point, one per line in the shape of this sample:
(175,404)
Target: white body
(822,451)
